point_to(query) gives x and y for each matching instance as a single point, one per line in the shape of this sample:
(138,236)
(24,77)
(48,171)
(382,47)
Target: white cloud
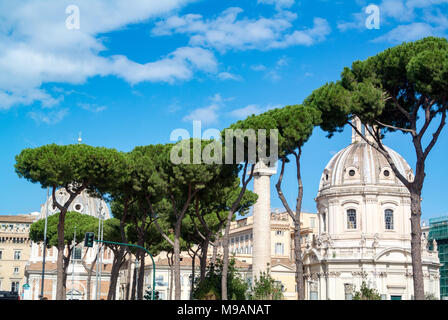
(52,117)
(414,19)
(229,76)
(207,115)
(405,33)
(279,4)
(251,109)
(228,32)
(258,67)
(92,107)
(305,37)
(243,113)
(37,48)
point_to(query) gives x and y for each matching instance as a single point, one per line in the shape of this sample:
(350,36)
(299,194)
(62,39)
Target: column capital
(261,169)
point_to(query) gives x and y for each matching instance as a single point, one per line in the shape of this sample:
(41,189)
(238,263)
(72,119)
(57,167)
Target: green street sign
(26,286)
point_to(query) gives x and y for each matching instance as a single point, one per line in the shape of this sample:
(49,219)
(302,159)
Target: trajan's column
(262,219)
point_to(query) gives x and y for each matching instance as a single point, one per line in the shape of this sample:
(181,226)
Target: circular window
(78,207)
(386,173)
(352,173)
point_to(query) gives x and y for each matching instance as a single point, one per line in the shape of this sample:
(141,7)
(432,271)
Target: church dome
(83,203)
(362,165)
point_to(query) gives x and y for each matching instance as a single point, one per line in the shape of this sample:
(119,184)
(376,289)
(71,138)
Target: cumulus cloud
(410,32)
(251,109)
(412,15)
(279,4)
(229,32)
(37,48)
(207,115)
(52,117)
(229,76)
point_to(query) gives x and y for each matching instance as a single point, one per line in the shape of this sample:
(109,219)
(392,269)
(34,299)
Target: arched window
(351,219)
(389,219)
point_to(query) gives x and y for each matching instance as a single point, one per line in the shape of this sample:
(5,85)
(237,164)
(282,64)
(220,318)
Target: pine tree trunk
(60,288)
(89,276)
(171,281)
(203,259)
(225,262)
(134,284)
(141,276)
(177,283)
(299,263)
(225,258)
(128,284)
(118,260)
(416,247)
(193,274)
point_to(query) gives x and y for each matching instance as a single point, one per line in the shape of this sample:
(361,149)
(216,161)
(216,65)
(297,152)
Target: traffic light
(88,239)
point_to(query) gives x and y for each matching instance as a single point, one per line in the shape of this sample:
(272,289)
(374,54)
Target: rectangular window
(312,222)
(17,255)
(16,270)
(389,219)
(15,286)
(77,254)
(351,219)
(279,248)
(1,254)
(278,233)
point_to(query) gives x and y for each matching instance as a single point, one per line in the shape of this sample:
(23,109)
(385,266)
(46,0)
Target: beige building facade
(15,248)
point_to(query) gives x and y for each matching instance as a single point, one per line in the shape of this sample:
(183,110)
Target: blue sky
(136,70)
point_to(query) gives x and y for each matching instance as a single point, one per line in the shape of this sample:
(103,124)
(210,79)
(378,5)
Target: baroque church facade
(364,229)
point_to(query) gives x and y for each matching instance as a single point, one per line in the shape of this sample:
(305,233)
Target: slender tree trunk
(114,274)
(134,284)
(193,273)
(60,287)
(66,263)
(171,265)
(416,247)
(89,275)
(60,284)
(128,284)
(89,278)
(215,250)
(299,263)
(141,276)
(225,263)
(203,258)
(177,283)
(300,283)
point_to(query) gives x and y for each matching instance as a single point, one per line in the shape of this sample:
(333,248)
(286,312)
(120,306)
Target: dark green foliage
(84,223)
(211,286)
(266,288)
(413,75)
(54,165)
(295,124)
